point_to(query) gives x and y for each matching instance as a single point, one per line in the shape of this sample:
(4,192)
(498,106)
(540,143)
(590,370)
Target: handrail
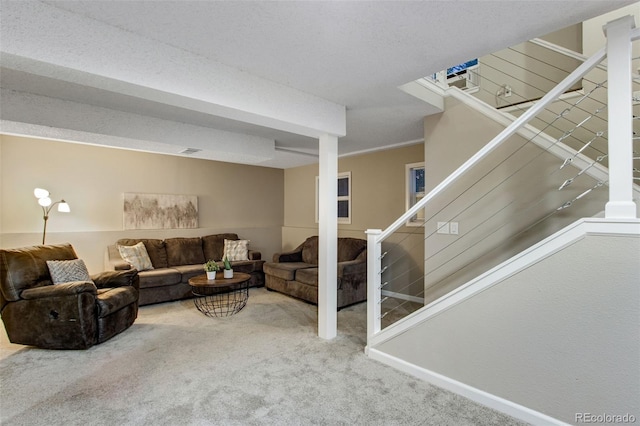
(575,55)
(498,140)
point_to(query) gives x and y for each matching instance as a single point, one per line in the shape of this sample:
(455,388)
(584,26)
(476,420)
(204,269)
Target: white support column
(373,283)
(328,238)
(620,203)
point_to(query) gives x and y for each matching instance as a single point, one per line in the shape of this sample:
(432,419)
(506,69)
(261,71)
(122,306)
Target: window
(344,197)
(415,191)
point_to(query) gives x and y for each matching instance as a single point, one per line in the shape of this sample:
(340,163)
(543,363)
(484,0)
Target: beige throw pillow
(236,250)
(136,256)
(66,271)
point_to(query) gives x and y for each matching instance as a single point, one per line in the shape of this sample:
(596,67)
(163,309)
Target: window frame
(411,195)
(347,198)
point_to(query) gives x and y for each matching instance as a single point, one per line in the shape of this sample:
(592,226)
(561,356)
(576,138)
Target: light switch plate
(453,228)
(443,228)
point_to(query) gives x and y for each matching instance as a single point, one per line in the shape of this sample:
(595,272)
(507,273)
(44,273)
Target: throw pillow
(236,250)
(136,256)
(65,271)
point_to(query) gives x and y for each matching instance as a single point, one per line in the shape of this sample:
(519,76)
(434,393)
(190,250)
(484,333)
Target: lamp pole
(45,211)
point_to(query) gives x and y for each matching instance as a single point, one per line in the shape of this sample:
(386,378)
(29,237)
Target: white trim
(409,191)
(382,148)
(403,296)
(477,395)
(519,262)
(425,93)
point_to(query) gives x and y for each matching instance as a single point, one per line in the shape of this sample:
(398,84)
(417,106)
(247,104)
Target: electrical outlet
(443,228)
(453,228)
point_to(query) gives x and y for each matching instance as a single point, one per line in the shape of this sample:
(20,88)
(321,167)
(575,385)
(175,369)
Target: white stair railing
(621,204)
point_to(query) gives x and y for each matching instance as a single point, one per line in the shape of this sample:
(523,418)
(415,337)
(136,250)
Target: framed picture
(160,211)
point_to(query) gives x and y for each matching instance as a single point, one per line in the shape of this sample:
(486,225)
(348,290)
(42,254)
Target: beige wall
(498,204)
(377,186)
(530,70)
(378,199)
(237,198)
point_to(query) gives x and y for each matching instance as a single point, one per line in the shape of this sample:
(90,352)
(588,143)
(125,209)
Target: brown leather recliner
(73,315)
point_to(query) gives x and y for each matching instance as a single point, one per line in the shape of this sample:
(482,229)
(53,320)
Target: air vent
(189,151)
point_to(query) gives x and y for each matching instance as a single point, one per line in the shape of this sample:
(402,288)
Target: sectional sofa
(295,273)
(175,260)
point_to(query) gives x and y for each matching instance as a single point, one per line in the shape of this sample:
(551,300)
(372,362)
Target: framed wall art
(160,211)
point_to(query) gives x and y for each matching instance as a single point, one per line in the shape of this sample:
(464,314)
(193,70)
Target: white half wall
(556,339)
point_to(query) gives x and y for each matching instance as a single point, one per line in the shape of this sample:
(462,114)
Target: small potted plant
(228,272)
(211,267)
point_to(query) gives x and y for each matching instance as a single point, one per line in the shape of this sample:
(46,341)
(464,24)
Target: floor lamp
(45,202)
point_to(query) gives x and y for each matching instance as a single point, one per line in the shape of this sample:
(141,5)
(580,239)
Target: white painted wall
(560,337)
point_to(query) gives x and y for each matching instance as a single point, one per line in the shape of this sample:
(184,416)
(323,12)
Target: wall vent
(189,151)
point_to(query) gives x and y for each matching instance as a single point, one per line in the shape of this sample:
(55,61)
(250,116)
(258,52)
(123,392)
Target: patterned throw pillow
(65,271)
(136,256)
(236,250)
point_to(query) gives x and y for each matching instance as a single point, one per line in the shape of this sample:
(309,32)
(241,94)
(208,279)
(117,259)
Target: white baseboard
(481,397)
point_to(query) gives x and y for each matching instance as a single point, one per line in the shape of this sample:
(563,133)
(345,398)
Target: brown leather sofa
(175,260)
(295,273)
(74,315)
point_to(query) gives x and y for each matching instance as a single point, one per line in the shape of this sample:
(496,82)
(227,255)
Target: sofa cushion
(155,249)
(64,271)
(310,251)
(287,270)
(350,248)
(213,245)
(236,250)
(136,256)
(184,251)
(159,277)
(189,271)
(307,276)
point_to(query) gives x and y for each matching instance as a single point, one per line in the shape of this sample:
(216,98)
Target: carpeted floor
(265,365)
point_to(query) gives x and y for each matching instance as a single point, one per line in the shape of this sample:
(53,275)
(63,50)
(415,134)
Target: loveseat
(49,300)
(295,273)
(175,260)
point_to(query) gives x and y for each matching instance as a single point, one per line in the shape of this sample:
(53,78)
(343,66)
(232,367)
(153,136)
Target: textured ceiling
(351,53)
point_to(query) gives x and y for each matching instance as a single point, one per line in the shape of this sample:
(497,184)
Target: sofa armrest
(109,279)
(254,255)
(352,267)
(121,266)
(59,290)
(289,256)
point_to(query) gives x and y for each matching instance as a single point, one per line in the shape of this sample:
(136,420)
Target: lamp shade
(40,193)
(44,201)
(64,207)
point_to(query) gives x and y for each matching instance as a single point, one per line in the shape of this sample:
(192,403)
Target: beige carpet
(265,365)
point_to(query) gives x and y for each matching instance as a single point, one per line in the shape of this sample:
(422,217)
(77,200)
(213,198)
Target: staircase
(509,300)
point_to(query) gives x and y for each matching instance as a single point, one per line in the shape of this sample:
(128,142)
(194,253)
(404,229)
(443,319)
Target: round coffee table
(220,297)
